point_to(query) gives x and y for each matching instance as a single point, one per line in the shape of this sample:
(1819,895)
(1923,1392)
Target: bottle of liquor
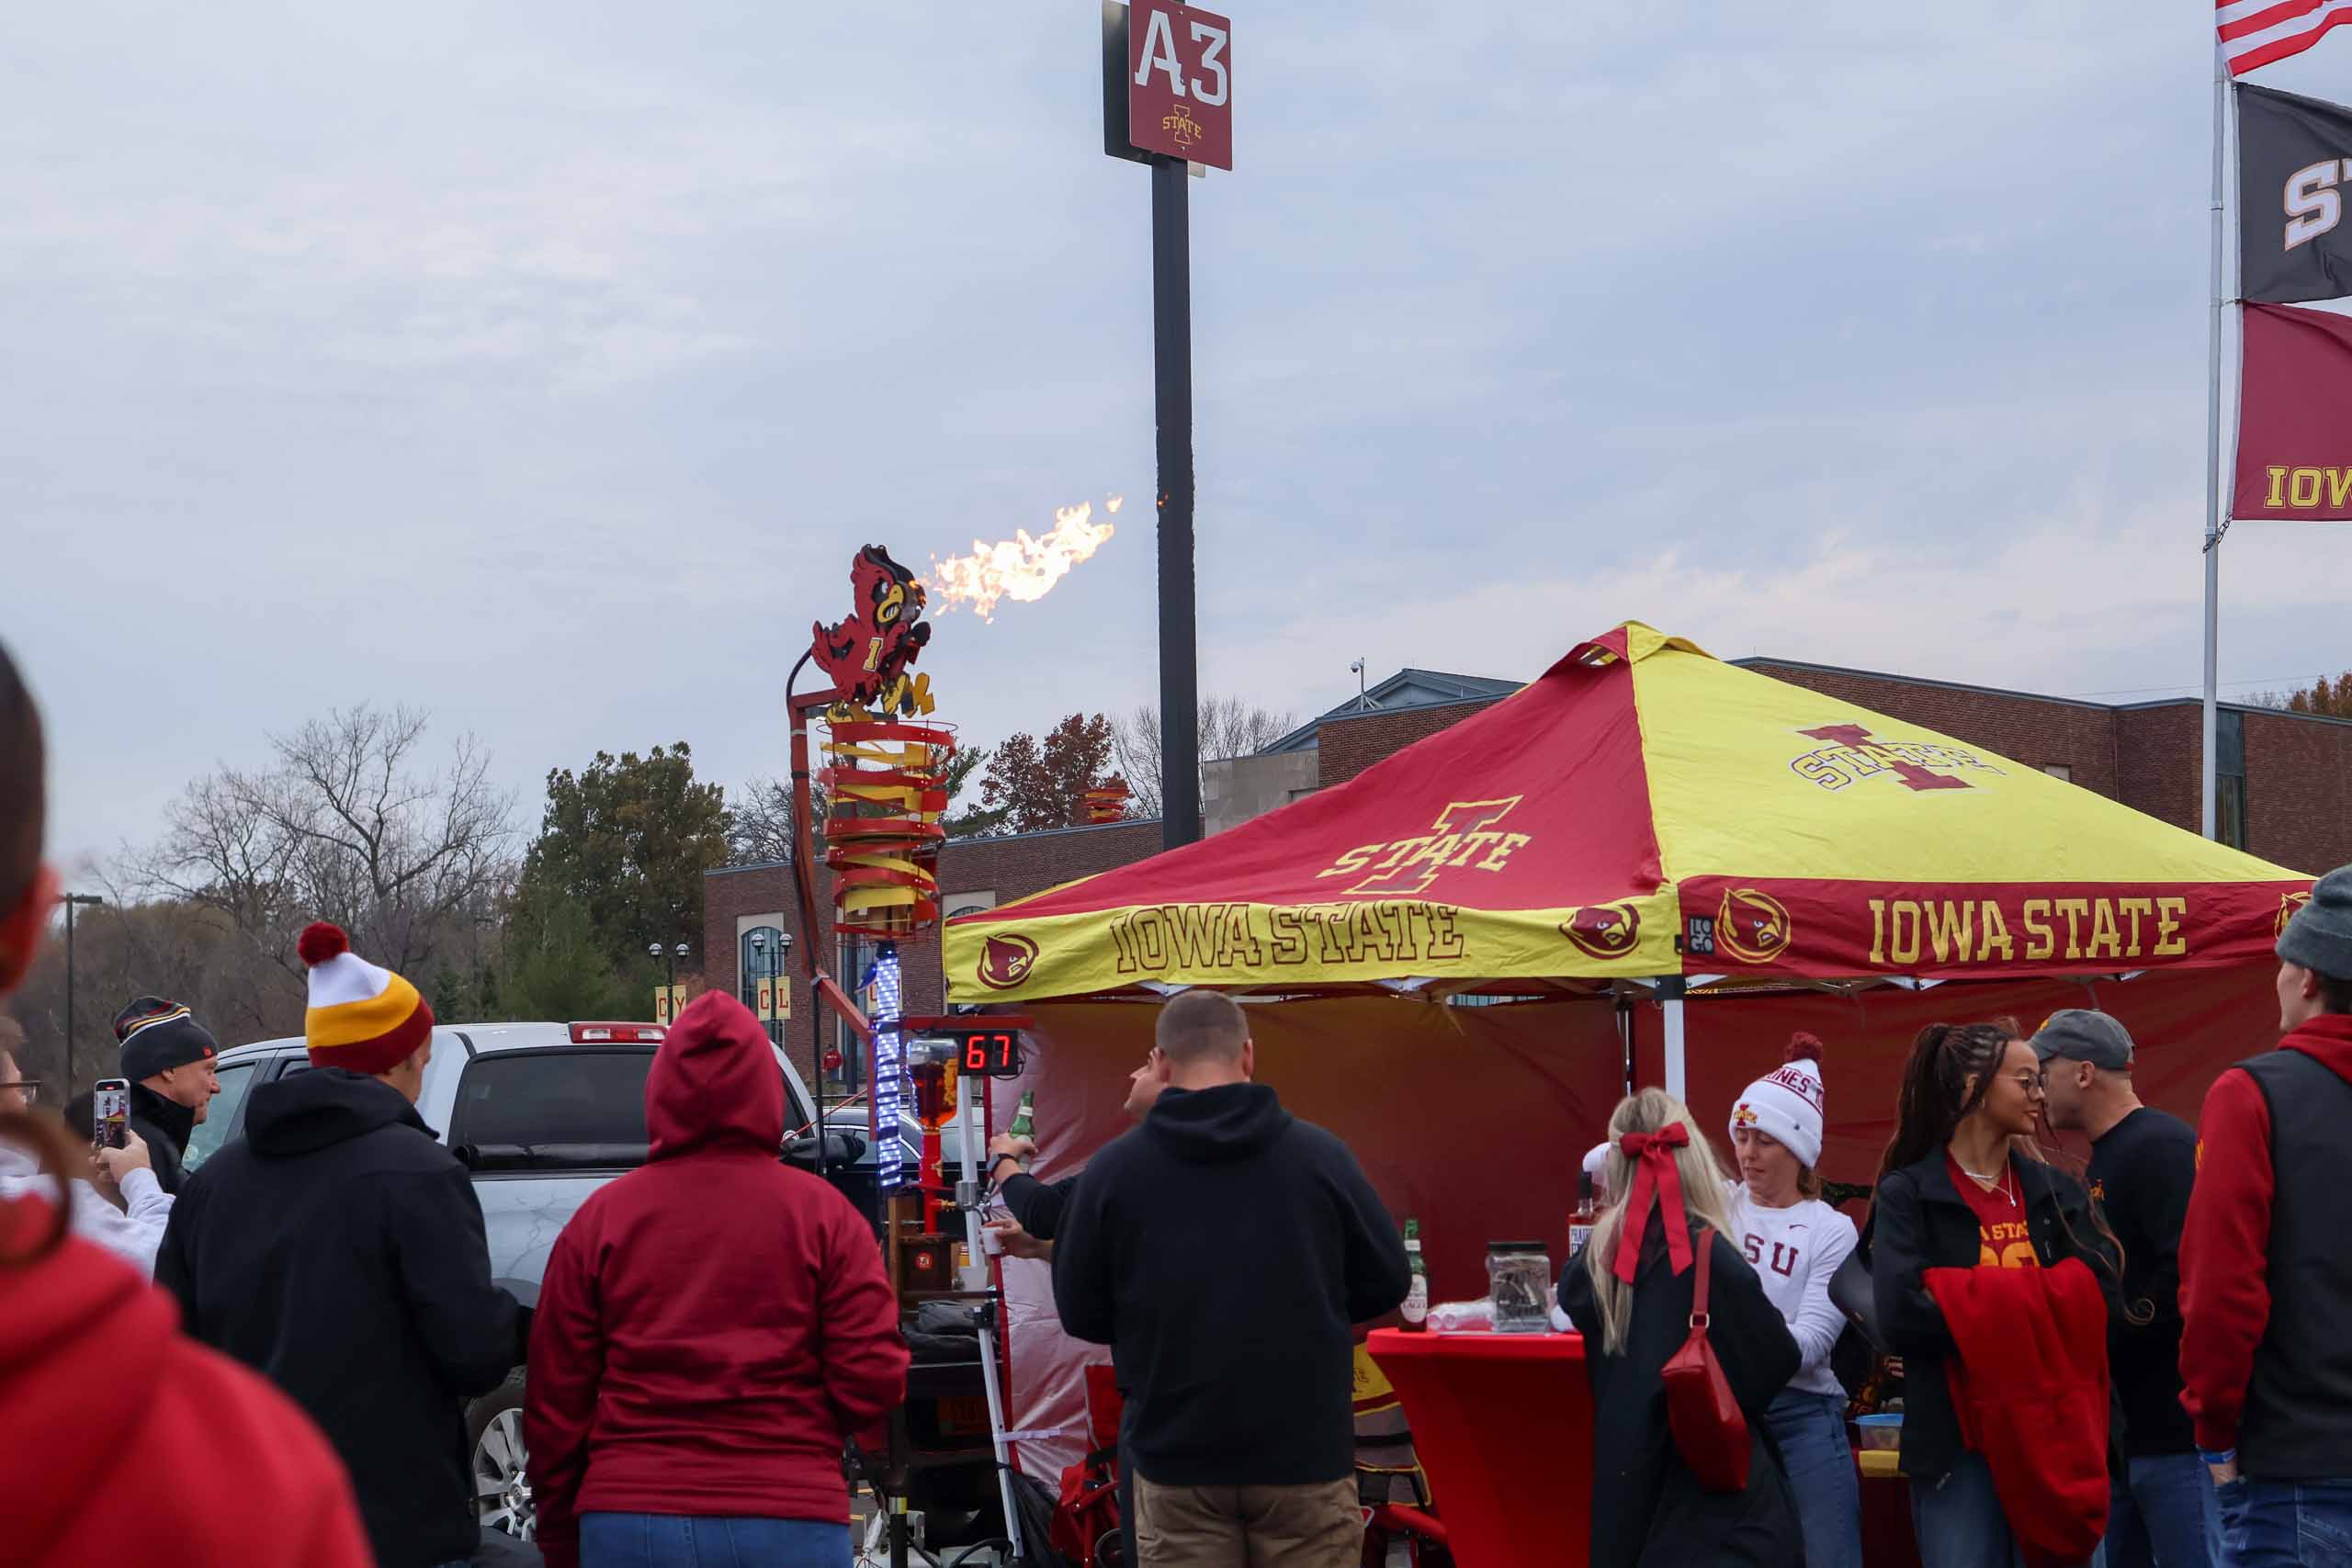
(1415,1309)
(1024,1125)
(1581,1228)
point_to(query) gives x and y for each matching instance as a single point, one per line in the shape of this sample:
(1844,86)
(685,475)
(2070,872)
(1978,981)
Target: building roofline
(1750,663)
(2031,696)
(2230,707)
(1473,689)
(1478,701)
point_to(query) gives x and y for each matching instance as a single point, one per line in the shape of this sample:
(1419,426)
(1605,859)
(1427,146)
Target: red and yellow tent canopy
(1645,810)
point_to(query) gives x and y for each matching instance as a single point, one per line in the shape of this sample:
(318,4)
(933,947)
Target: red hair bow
(1655,1178)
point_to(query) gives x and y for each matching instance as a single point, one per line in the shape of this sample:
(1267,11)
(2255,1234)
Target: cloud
(544,366)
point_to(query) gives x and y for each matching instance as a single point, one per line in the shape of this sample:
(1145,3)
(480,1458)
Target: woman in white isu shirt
(1795,1242)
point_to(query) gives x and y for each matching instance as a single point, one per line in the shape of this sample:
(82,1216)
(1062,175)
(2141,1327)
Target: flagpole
(2213,454)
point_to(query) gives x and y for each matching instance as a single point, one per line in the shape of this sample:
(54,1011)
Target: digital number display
(996,1051)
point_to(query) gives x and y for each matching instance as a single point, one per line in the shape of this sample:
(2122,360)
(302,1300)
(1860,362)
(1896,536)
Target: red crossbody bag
(1708,1430)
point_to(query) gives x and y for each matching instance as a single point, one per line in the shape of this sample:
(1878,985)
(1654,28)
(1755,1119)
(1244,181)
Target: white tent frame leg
(1668,991)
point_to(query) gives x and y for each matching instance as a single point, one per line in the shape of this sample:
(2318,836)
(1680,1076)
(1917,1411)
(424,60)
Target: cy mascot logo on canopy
(1752,927)
(1005,961)
(1604,931)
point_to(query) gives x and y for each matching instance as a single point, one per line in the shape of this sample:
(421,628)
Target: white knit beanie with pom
(1785,1104)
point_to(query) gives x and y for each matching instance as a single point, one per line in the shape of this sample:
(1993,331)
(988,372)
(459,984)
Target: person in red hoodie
(2265,1263)
(100,1394)
(711,1327)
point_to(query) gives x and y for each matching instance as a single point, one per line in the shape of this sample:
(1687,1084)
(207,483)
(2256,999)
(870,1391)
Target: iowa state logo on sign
(1180,82)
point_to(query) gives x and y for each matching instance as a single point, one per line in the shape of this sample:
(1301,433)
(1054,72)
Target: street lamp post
(669,957)
(70,900)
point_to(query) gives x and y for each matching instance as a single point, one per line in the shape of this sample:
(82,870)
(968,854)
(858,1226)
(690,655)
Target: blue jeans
(1959,1520)
(677,1541)
(2166,1516)
(1810,1429)
(2272,1524)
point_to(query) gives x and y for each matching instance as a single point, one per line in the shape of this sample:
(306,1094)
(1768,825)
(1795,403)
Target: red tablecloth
(1503,1425)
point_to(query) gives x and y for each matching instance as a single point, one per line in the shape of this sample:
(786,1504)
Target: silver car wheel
(501,1485)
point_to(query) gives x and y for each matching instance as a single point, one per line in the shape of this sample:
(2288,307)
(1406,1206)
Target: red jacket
(2225,1245)
(2030,1385)
(104,1407)
(712,1325)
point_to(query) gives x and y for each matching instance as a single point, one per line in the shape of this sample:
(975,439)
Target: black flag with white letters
(2294,178)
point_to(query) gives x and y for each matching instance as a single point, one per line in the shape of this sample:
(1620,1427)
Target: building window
(2229,778)
(2059,771)
(956,904)
(856,970)
(760,969)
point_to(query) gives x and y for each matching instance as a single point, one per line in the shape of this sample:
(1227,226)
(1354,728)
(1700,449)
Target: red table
(1503,1425)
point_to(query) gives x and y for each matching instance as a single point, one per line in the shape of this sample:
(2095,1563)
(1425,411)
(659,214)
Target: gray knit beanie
(2320,936)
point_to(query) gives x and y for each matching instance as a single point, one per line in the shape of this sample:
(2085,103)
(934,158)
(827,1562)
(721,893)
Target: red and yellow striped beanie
(361,1017)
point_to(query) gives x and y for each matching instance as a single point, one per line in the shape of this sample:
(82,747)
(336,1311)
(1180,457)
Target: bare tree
(347,826)
(759,821)
(1229,728)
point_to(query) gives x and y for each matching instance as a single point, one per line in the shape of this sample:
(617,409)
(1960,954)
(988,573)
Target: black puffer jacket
(338,1248)
(1647,1508)
(166,1126)
(1919,1221)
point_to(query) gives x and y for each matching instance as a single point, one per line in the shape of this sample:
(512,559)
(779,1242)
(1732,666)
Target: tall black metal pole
(1171,332)
(70,902)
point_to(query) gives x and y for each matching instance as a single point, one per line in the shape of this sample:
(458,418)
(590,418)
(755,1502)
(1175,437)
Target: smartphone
(110,1113)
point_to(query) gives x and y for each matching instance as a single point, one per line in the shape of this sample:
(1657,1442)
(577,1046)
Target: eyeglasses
(2028,1081)
(29,1087)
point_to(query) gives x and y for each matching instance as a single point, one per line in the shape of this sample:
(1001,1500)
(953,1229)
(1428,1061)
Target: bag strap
(1705,1243)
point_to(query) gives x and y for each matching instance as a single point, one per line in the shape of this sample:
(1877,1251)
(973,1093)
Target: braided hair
(1937,1095)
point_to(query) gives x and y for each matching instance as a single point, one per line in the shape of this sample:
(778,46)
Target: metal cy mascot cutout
(867,656)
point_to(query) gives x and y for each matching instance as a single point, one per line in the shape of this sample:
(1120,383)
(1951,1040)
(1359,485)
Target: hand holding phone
(110,1113)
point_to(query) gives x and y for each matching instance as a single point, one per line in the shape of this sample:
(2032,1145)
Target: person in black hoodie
(1648,1506)
(339,1248)
(1223,1250)
(167,1056)
(1962,1187)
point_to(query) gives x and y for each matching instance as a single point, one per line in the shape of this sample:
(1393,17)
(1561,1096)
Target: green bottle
(1024,1125)
(1415,1309)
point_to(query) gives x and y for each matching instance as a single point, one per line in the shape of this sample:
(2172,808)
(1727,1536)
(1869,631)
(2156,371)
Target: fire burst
(1022,569)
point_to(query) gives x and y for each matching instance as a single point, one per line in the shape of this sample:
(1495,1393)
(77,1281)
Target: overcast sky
(543,365)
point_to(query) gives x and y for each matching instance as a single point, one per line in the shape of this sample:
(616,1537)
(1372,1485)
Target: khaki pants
(1320,1525)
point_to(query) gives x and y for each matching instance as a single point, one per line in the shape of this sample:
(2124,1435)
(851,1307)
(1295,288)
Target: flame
(1021,569)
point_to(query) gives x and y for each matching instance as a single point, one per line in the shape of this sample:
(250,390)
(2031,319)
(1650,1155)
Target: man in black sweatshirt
(1223,1250)
(2143,1163)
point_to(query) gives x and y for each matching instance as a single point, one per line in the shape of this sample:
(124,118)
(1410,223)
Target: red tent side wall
(1472,1119)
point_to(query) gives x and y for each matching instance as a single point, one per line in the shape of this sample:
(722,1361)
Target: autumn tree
(624,841)
(1229,728)
(2330,698)
(1032,784)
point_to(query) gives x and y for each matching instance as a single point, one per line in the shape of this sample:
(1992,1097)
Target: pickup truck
(543,1115)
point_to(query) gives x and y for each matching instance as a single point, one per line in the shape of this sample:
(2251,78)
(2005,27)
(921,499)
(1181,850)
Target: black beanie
(157,1034)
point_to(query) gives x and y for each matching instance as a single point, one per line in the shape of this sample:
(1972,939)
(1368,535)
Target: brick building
(2285,794)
